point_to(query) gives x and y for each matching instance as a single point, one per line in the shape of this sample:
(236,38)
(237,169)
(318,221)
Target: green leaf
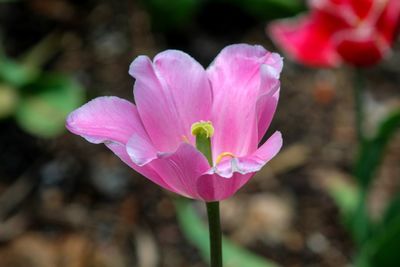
(383,248)
(8,100)
(28,68)
(372,150)
(45,104)
(197,233)
(16,74)
(345,194)
(360,223)
(392,211)
(270,9)
(350,201)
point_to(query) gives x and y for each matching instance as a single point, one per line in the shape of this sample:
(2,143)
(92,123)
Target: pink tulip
(237,94)
(357,32)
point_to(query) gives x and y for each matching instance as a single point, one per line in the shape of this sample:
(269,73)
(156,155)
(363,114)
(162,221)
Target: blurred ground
(65,202)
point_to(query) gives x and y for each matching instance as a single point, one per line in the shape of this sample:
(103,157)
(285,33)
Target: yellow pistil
(223,155)
(204,128)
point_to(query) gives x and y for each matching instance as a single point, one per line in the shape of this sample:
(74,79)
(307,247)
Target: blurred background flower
(356,32)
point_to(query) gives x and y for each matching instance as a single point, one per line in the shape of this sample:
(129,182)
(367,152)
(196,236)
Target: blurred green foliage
(372,150)
(16,74)
(38,100)
(45,103)
(377,241)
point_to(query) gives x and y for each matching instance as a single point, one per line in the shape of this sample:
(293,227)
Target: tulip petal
(236,83)
(171,94)
(251,163)
(179,169)
(389,21)
(350,10)
(183,168)
(229,176)
(106,119)
(112,120)
(268,101)
(147,170)
(362,52)
(141,150)
(362,8)
(307,39)
(212,187)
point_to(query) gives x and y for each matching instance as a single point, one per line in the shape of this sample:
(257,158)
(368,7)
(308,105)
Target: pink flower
(238,94)
(357,32)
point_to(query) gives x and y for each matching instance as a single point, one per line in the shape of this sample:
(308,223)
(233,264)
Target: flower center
(204,128)
(223,155)
(185,139)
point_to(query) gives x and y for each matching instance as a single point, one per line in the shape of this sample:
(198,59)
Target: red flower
(357,32)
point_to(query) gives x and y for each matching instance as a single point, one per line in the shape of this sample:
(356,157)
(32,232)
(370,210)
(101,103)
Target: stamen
(185,139)
(223,155)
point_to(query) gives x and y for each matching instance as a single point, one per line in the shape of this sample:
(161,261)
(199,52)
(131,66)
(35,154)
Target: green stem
(203,131)
(203,144)
(358,87)
(360,220)
(215,233)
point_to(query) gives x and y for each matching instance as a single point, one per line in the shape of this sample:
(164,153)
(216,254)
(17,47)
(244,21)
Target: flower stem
(203,131)
(215,233)
(358,87)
